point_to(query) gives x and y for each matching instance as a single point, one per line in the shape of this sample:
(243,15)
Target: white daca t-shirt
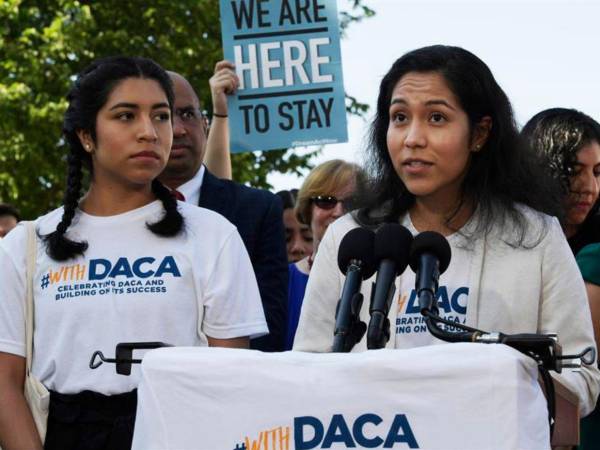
(130,286)
(452,296)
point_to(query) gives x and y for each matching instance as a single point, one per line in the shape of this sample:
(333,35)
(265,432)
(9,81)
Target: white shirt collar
(191,188)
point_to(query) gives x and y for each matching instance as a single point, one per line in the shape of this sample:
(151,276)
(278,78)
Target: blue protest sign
(287,57)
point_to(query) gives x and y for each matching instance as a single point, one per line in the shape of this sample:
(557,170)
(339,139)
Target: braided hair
(172,222)
(87,96)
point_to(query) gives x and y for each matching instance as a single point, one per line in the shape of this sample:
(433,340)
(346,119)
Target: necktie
(178,195)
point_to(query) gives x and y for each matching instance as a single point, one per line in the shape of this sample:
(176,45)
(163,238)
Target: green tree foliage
(43,43)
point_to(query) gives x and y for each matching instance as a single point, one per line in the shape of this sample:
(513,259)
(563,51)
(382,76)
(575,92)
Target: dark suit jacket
(258,216)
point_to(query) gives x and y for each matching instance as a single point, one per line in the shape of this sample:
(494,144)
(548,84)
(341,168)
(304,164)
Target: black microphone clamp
(426,295)
(544,348)
(378,333)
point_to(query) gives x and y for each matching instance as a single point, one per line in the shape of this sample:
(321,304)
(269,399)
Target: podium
(566,428)
(459,396)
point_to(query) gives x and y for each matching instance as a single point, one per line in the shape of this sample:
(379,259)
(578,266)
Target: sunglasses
(330,202)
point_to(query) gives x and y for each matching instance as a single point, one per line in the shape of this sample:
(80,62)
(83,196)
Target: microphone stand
(344,340)
(378,332)
(543,348)
(124,355)
(349,329)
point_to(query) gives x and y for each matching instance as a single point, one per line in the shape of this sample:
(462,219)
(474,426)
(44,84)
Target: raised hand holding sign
(287,59)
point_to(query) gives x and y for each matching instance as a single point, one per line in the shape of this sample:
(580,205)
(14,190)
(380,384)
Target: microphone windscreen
(393,241)
(430,242)
(358,244)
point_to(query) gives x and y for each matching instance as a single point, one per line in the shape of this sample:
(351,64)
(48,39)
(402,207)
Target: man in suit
(256,213)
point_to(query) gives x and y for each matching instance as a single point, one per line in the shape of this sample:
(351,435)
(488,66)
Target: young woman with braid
(122,263)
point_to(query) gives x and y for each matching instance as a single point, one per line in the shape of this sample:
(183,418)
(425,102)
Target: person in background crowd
(298,237)
(588,260)
(445,157)
(9,217)
(218,158)
(256,213)
(326,194)
(568,143)
(126,227)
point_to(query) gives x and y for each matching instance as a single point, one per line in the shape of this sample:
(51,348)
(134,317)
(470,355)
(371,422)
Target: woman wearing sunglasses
(325,195)
(445,157)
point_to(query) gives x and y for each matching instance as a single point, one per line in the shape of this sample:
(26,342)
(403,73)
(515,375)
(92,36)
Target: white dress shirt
(191,189)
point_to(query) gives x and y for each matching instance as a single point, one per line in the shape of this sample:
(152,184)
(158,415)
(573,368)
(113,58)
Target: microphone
(429,257)
(392,247)
(356,261)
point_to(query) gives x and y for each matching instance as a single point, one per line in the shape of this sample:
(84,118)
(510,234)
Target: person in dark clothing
(257,214)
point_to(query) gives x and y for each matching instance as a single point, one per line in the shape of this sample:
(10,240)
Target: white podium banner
(442,397)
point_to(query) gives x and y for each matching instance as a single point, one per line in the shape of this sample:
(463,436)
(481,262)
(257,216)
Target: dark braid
(172,222)
(60,247)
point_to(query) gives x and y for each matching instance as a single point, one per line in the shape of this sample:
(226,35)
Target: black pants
(91,421)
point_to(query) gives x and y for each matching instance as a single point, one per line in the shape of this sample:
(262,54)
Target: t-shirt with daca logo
(129,286)
(452,295)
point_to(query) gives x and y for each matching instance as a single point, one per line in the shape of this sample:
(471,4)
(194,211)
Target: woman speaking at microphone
(124,262)
(445,157)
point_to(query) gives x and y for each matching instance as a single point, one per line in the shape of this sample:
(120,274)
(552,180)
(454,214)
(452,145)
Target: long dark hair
(87,96)
(555,136)
(288,198)
(499,175)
